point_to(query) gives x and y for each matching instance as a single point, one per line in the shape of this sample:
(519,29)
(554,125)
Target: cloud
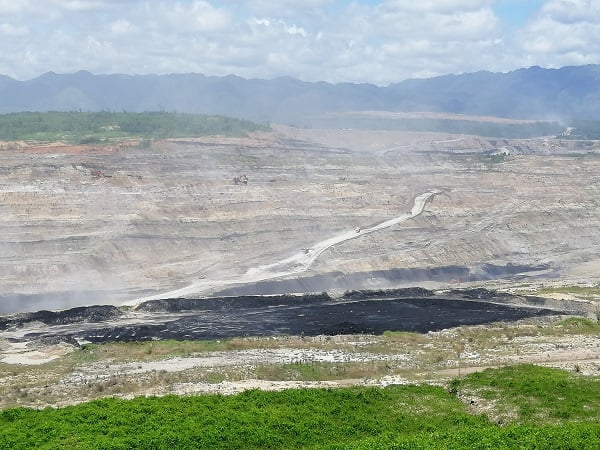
(565,32)
(419,39)
(572,11)
(449,7)
(122,27)
(286,8)
(423,21)
(195,16)
(13,6)
(82,5)
(9,30)
(334,40)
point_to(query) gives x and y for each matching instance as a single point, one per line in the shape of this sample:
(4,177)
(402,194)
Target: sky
(358,41)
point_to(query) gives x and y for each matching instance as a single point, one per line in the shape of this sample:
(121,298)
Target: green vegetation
(525,407)
(153,350)
(323,371)
(587,292)
(99,127)
(581,326)
(495,159)
(533,394)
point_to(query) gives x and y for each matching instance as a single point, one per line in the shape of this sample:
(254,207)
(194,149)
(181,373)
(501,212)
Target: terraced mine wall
(110,224)
(379,279)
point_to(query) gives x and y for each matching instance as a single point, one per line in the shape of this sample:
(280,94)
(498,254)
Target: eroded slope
(110,224)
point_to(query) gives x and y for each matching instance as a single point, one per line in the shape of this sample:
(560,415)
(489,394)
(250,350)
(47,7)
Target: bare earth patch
(69,375)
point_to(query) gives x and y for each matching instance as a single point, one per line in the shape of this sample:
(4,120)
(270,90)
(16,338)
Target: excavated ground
(115,224)
(295,341)
(90,225)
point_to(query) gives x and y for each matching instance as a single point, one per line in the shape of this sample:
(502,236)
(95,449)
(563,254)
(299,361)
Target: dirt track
(295,264)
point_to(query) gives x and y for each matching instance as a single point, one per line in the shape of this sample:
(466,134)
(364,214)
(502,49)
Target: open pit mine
(292,232)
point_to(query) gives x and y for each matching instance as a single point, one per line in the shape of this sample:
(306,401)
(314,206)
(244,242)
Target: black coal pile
(76,315)
(400,293)
(373,312)
(226,303)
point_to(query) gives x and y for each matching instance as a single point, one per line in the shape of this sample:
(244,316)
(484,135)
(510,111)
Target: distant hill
(534,93)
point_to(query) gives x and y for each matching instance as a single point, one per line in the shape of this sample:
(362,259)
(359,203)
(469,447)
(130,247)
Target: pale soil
(278,363)
(295,264)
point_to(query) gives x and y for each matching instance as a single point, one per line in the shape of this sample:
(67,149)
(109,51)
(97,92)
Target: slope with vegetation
(97,127)
(532,407)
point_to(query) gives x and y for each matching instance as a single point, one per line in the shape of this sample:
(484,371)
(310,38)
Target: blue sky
(378,42)
(517,12)
(514,12)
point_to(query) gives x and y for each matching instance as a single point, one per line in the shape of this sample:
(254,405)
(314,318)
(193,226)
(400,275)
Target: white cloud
(81,5)
(195,16)
(565,32)
(122,26)
(333,40)
(13,6)
(295,30)
(9,30)
(285,8)
(572,11)
(436,6)
(431,24)
(275,27)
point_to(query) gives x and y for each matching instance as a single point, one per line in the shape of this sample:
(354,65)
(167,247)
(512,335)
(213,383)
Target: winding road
(296,263)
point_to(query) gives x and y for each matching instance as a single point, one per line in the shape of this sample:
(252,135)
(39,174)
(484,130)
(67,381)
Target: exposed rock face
(415,292)
(170,214)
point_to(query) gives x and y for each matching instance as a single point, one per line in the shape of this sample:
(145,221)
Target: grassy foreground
(515,407)
(97,127)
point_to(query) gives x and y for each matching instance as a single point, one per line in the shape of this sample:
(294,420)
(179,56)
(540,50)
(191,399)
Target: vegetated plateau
(102,127)
(121,208)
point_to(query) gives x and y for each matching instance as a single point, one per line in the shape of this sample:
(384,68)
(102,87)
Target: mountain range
(532,93)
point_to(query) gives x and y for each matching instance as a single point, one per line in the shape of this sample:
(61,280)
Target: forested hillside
(94,127)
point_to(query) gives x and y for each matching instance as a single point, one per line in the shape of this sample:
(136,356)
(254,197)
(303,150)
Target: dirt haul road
(296,263)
